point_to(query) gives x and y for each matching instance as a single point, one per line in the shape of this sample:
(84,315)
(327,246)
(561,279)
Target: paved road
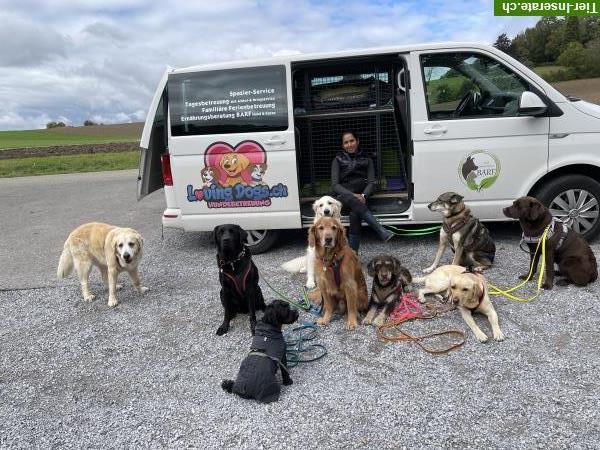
(147,373)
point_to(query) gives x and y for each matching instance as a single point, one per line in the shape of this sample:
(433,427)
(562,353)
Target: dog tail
(296,265)
(65,264)
(227,385)
(419,280)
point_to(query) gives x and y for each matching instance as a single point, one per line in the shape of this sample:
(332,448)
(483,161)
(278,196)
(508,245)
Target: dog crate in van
(358,95)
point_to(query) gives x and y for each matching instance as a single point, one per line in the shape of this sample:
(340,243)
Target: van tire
(259,241)
(559,187)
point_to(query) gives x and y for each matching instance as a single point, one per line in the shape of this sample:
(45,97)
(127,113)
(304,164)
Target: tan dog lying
(466,290)
(338,270)
(111,249)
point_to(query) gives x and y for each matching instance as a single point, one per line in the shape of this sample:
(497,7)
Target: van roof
(300,57)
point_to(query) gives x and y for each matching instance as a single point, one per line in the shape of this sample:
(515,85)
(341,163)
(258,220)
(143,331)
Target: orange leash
(403,336)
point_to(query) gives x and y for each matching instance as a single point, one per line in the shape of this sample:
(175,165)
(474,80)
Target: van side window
(243,100)
(469,86)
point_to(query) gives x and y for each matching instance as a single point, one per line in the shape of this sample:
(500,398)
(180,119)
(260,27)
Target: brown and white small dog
(390,279)
(468,291)
(325,206)
(338,270)
(111,249)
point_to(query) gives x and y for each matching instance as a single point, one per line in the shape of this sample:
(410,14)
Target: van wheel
(259,241)
(574,199)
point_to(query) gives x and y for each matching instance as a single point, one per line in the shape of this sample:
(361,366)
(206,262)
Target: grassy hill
(96,134)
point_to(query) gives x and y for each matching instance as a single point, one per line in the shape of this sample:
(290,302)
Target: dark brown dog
(390,278)
(573,255)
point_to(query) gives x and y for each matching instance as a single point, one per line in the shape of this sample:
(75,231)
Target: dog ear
(315,206)
(312,236)
(337,208)
(405,276)
(456,198)
(243,234)
(536,211)
(244,161)
(215,231)
(270,314)
(341,240)
(371,268)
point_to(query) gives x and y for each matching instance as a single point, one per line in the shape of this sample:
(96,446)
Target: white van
(252,142)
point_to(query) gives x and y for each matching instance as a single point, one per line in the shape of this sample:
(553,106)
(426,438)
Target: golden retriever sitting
(338,270)
(234,164)
(111,249)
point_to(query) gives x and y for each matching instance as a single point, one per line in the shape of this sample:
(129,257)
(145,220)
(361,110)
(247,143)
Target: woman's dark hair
(352,132)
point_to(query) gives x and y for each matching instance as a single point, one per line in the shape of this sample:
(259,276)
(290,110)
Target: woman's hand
(361,198)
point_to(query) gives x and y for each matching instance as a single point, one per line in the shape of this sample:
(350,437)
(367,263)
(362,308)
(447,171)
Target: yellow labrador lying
(468,291)
(111,249)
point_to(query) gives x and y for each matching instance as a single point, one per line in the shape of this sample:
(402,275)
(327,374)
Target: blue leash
(298,349)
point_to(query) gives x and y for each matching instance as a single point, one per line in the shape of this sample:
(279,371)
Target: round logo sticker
(479,170)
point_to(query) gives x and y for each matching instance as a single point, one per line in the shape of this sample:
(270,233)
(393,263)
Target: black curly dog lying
(240,292)
(256,378)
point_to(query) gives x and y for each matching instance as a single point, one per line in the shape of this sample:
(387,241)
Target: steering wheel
(468,103)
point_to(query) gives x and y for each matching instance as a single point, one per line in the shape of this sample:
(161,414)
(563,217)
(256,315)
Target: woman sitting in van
(352,182)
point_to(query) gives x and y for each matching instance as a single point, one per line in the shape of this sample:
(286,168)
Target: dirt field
(588,89)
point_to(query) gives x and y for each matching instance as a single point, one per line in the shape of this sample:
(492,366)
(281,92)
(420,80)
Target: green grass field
(51,165)
(100,134)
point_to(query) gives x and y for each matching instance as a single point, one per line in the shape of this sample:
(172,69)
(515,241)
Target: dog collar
(551,232)
(223,263)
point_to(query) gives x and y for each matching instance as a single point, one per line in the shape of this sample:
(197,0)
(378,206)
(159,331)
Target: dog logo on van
(479,170)
(233,177)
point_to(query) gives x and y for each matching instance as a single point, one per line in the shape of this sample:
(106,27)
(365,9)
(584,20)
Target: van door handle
(275,142)
(436,129)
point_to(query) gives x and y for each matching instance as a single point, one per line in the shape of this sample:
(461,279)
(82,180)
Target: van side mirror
(530,104)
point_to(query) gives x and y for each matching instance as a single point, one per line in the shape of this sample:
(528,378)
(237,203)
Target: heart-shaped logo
(221,157)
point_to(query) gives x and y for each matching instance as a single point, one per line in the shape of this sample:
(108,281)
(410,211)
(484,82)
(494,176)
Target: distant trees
(89,123)
(572,42)
(55,124)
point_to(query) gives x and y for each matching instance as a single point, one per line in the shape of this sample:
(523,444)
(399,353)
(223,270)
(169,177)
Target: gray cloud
(102,60)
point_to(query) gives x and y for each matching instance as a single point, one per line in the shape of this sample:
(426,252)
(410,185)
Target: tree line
(571,42)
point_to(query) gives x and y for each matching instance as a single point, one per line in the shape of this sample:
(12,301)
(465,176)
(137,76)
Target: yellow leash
(508,292)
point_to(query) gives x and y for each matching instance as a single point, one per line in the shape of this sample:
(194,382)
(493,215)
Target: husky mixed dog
(468,238)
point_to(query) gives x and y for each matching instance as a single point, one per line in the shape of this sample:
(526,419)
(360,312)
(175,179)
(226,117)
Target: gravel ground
(147,373)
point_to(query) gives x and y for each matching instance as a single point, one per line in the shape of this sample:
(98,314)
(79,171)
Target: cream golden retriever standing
(338,270)
(325,206)
(468,291)
(111,249)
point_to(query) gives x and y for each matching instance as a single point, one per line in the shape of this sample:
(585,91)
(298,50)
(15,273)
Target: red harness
(239,281)
(336,268)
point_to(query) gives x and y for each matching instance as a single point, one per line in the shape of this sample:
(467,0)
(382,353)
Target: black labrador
(240,292)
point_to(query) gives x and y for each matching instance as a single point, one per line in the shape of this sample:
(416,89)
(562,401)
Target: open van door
(153,143)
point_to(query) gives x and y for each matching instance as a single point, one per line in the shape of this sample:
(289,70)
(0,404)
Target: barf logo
(479,170)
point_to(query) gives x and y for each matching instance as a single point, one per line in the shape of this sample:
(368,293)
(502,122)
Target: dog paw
(350,326)
(366,321)
(89,297)
(562,282)
(379,320)
(222,330)
(499,336)
(142,290)
(118,287)
(322,322)
(288,382)
(112,302)
(429,269)
(481,338)
(547,286)
(310,284)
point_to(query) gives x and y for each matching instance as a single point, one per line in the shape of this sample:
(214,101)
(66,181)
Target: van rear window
(228,101)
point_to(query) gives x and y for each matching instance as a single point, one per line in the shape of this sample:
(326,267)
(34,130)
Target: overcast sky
(101,60)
